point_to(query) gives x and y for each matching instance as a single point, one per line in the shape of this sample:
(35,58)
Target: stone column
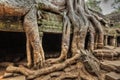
(116,42)
(106,40)
(41,36)
(113,41)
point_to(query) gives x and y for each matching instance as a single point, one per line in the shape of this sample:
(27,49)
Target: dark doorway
(52,44)
(12,46)
(109,40)
(118,41)
(87,39)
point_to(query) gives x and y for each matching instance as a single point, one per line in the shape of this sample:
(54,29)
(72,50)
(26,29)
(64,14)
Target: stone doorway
(118,41)
(52,44)
(12,46)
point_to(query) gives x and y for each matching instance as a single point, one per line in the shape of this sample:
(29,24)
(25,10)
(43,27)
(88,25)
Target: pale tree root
(58,76)
(36,73)
(91,64)
(48,72)
(33,40)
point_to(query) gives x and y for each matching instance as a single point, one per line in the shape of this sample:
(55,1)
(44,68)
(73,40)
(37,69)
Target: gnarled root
(66,67)
(36,73)
(37,57)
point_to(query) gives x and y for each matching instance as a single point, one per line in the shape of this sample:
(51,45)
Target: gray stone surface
(111,65)
(112,76)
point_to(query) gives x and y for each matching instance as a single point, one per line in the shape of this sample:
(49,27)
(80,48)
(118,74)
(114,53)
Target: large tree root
(32,74)
(64,69)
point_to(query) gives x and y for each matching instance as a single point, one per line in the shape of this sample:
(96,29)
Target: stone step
(112,76)
(107,54)
(111,65)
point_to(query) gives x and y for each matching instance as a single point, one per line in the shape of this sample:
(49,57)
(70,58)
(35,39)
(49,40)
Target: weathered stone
(112,76)
(108,53)
(111,65)
(47,24)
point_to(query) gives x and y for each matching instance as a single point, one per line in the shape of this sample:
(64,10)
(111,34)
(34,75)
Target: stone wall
(50,22)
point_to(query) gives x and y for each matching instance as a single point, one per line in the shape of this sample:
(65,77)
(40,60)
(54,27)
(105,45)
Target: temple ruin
(50,31)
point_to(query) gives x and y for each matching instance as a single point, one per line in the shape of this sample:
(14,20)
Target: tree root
(36,73)
(59,71)
(20,69)
(67,75)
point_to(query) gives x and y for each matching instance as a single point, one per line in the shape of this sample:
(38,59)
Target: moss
(16,26)
(44,28)
(2,25)
(50,23)
(117,26)
(40,6)
(51,16)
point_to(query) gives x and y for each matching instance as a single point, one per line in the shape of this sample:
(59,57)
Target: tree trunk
(83,21)
(27,10)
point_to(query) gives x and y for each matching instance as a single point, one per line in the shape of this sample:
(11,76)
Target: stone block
(112,76)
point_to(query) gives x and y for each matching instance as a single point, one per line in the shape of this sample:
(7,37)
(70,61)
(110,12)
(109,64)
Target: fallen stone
(109,47)
(111,65)
(112,76)
(107,53)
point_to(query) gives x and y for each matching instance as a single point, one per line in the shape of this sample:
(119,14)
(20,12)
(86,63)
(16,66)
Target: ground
(109,64)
